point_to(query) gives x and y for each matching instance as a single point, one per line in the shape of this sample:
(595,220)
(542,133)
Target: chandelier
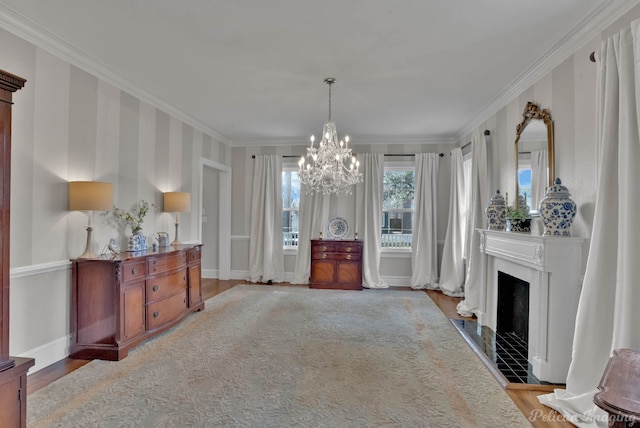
(330,167)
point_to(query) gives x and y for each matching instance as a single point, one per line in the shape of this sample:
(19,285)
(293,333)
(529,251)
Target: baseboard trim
(211,273)
(49,353)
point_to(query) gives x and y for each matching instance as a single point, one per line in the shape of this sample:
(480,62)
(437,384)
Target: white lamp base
(88,253)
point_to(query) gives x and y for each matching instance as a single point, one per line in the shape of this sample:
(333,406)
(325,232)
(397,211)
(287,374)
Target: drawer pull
(184,300)
(154,262)
(156,314)
(348,249)
(155,288)
(324,256)
(324,248)
(184,278)
(348,256)
(133,271)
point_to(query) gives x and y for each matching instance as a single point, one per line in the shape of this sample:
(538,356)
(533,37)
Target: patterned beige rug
(283,356)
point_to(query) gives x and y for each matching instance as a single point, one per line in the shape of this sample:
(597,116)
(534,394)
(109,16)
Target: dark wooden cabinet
(13,371)
(336,264)
(120,302)
(195,276)
(13,393)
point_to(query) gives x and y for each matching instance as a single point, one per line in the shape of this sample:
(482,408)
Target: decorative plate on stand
(337,228)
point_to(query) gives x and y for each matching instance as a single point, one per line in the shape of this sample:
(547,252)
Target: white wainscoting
(40,312)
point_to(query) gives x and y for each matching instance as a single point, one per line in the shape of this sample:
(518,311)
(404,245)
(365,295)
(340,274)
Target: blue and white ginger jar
(557,210)
(495,212)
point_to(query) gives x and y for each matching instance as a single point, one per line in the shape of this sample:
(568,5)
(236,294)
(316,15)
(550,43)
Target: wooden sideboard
(336,264)
(118,303)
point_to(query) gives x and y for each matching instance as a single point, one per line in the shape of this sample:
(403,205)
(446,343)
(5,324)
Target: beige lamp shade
(177,202)
(90,196)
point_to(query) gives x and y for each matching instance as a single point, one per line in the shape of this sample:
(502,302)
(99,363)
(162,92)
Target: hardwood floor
(540,415)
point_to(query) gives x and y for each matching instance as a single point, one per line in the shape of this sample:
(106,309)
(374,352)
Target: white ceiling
(253,70)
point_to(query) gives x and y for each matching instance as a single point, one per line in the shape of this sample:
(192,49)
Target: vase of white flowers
(134,218)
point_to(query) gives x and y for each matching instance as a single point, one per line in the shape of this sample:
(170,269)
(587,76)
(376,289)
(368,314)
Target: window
(290,205)
(524,179)
(397,207)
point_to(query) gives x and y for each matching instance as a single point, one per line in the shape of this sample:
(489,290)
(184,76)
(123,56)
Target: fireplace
(513,306)
(532,286)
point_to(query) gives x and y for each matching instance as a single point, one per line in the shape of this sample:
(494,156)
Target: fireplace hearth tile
(506,351)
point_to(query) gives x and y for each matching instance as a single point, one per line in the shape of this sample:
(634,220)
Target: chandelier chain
(330,83)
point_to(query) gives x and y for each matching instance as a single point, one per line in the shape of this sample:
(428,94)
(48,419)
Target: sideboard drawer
(349,249)
(323,256)
(323,248)
(193,254)
(134,270)
(164,264)
(348,256)
(166,311)
(166,285)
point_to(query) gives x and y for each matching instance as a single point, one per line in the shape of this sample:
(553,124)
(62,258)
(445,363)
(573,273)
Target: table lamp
(90,196)
(177,202)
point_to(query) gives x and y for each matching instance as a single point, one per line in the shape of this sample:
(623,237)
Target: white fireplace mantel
(553,268)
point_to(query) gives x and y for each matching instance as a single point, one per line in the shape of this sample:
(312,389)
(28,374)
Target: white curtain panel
(369,214)
(473,286)
(266,256)
(608,315)
(312,206)
(539,176)
(452,270)
(424,246)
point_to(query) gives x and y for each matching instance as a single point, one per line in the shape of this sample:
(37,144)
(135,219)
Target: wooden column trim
(9,83)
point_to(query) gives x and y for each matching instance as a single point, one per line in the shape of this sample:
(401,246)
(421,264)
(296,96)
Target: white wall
(70,125)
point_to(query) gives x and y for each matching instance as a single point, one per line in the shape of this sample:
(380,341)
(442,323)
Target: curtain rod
(399,154)
(486,132)
(407,154)
(284,156)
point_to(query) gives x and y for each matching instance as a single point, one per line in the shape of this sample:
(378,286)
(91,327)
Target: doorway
(214,226)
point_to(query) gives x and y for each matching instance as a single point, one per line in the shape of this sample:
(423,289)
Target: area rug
(285,356)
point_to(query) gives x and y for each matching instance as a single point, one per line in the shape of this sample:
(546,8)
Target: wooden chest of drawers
(118,303)
(336,264)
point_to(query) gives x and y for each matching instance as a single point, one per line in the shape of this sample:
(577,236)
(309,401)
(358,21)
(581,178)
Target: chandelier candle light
(331,167)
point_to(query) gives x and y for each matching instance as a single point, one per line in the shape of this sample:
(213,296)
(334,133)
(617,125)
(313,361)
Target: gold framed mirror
(534,155)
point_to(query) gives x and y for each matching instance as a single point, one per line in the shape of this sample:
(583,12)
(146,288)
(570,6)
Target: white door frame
(224,215)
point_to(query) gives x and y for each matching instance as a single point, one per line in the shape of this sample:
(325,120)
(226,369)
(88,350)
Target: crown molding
(44,39)
(592,25)
(355,141)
